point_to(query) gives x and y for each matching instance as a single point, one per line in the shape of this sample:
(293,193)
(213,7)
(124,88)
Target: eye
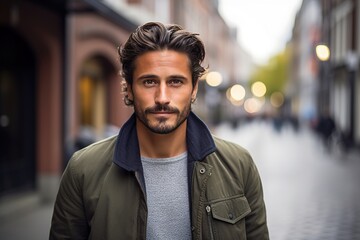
(149,82)
(176,82)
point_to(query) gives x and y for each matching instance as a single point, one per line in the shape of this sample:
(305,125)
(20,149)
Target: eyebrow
(177,76)
(147,76)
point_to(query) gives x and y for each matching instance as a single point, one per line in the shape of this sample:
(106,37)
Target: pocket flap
(231,210)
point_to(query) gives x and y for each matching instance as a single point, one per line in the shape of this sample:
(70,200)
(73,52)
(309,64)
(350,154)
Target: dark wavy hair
(154,36)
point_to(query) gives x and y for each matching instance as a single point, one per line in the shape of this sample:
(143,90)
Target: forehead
(157,60)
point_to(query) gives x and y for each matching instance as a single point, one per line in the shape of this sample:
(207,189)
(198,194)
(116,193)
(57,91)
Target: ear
(194,92)
(129,92)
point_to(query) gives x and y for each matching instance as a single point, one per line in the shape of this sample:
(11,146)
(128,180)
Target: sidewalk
(25,217)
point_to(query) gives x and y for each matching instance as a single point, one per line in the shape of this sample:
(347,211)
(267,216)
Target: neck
(154,145)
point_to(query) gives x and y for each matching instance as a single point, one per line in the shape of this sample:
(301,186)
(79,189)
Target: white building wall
(310,21)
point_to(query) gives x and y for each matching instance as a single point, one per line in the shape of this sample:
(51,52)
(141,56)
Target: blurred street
(310,193)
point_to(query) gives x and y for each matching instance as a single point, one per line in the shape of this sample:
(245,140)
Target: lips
(161,109)
(161,112)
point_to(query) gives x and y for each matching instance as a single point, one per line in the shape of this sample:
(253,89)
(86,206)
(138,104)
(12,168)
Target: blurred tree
(274,74)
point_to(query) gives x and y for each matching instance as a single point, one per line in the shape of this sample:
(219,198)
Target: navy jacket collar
(127,155)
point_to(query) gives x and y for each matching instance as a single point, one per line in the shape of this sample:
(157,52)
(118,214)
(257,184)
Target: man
(164,176)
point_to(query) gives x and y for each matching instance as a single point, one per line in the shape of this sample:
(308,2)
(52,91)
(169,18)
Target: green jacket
(102,193)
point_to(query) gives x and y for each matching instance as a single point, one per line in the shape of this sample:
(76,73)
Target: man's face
(162,90)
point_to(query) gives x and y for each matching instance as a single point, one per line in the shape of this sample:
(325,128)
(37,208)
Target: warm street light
(322,52)
(253,105)
(237,92)
(277,99)
(258,89)
(213,79)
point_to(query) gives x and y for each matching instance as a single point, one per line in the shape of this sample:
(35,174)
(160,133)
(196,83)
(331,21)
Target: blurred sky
(264,26)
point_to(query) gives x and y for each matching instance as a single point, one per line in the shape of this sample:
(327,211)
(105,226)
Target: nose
(162,95)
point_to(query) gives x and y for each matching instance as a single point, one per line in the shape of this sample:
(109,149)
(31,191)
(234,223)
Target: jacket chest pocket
(226,218)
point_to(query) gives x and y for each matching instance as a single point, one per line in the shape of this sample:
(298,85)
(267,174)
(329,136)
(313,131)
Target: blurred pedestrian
(164,176)
(278,123)
(326,127)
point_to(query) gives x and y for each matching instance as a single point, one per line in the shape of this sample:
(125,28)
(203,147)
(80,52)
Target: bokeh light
(213,79)
(253,105)
(237,92)
(258,89)
(277,99)
(322,52)
(235,98)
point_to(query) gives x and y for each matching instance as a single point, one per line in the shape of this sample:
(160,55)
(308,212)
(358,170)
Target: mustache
(161,108)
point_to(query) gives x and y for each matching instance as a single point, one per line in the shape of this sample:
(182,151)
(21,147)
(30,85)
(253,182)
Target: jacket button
(202,170)
(231,216)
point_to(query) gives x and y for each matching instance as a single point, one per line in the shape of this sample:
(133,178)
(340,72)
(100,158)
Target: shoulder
(234,156)
(93,157)
(232,150)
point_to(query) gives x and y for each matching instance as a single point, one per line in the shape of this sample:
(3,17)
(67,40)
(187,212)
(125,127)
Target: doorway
(17,113)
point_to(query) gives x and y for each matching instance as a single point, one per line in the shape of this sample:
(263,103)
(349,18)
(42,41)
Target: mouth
(161,112)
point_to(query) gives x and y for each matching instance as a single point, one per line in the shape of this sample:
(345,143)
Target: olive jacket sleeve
(69,219)
(256,224)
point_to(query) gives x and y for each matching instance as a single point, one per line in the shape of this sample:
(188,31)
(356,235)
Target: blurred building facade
(59,74)
(332,85)
(59,77)
(340,74)
(304,83)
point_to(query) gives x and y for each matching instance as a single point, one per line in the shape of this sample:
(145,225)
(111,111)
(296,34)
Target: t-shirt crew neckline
(165,160)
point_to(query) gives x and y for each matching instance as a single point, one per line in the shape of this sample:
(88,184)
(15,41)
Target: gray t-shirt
(167,193)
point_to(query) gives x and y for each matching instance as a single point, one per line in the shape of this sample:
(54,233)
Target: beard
(162,125)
